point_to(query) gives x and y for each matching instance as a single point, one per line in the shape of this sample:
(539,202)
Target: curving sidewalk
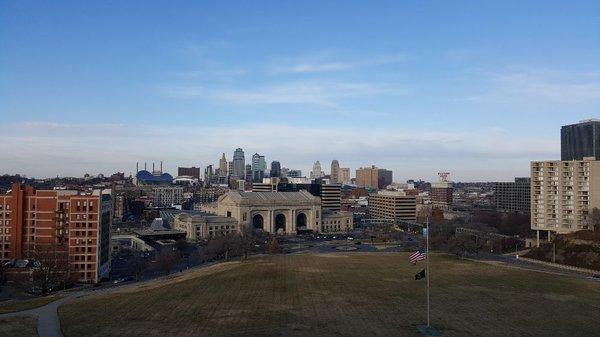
(48,324)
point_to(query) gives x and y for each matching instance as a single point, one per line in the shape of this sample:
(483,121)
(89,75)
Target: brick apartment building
(68,221)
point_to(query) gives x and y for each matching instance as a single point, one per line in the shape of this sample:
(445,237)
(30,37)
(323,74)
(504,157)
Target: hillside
(343,294)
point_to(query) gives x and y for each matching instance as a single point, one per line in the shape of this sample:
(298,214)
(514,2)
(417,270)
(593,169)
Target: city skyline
(406,87)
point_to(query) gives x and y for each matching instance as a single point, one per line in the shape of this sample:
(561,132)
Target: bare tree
(595,219)
(137,266)
(166,260)
(247,241)
(50,267)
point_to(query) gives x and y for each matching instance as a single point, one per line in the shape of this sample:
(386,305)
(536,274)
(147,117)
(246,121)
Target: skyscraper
(247,174)
(223,165)
(317,172)
(335,171)
(275,169)
(259,166)
(580,140)
(239,163)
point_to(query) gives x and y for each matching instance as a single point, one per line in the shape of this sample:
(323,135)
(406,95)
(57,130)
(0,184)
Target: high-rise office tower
(247,173)
(275,169)
(230,169)
(335,171)
(239,163)
(208,175)
(223,165)
(581,140)
(259,166)
(316,172)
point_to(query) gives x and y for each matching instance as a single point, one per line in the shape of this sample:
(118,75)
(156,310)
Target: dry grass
(22,326)
(13,306)
(356,294)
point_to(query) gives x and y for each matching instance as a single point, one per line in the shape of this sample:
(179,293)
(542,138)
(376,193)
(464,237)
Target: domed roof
(146,176)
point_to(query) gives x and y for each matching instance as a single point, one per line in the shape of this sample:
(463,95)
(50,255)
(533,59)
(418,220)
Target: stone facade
(273,212)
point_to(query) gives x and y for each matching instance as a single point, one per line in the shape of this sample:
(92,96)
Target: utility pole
(553,252)
(427,273)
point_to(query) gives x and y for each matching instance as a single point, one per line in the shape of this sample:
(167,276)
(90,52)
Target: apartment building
(75,224)
(563,194)
(392,205)
(373,177)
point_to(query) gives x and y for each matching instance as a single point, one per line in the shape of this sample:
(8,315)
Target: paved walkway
(48,324)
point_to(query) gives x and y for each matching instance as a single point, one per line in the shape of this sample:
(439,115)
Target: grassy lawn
(22,326)
(12,306)
(343,294)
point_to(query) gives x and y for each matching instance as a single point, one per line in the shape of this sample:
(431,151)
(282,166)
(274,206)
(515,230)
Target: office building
(581,140)
(563,195)
(193,172)
(223,165)
(395,205)
(441,194)
(331,197)
(166,196)
(293,173)
(71,224)
(513,196)
(316,172)
(344,177)
(239,164)
(373,177)
(208,175)
(335,172)
(275,169)
(336,222)
(259,166)
(230,170)
(248,173)
(203,226)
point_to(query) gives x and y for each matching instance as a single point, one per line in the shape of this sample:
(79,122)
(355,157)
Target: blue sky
(477,88)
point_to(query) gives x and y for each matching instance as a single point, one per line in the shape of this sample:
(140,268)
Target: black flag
(420,275)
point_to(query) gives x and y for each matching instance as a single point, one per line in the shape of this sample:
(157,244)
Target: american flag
(417,256)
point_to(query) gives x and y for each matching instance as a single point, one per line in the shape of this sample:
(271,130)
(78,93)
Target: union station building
(273,212)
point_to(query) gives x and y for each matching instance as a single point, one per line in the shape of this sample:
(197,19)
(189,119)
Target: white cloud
(321,93)
(544,86)
(329,62)
(49,149)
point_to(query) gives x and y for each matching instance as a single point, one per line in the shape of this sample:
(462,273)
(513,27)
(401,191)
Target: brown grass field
(13,306)
(22,326)
(343,294)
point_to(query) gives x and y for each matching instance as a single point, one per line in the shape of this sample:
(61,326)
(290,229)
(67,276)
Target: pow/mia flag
(420,275)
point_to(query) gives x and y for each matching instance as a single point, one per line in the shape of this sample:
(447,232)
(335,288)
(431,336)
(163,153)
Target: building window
(228,214)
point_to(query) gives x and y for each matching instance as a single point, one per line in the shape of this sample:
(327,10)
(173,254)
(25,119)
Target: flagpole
(428,275)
